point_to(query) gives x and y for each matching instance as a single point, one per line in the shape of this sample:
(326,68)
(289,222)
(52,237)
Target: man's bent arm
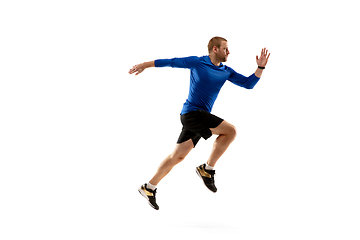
(258,72)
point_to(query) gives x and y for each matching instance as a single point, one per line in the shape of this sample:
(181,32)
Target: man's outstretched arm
(186,62)
(141,67)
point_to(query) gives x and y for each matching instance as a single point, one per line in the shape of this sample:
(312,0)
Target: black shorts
(197,124)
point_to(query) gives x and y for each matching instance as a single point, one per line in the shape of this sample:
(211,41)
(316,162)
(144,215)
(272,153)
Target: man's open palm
(264,57)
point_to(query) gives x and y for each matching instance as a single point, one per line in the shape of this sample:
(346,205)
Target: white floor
(96,201)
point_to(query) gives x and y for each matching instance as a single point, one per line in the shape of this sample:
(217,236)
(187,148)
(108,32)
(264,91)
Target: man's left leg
(227,134)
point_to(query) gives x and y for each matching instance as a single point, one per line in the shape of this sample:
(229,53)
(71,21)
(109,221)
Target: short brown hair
(215,41)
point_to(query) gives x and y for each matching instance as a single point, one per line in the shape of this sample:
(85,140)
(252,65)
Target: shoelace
(152,191)
(212,173)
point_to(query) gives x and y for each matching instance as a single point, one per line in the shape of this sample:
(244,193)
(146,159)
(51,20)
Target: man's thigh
(224,128)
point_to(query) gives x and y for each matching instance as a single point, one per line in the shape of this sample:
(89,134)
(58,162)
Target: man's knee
(181,151)
(226,129)
(232,132)
(177,158)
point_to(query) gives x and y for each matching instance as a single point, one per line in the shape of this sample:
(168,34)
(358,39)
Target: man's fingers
(138,71)
(263,52)
(131,70)
(134,69)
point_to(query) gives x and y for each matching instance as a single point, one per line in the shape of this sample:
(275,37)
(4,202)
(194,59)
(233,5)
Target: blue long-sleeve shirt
(206,80)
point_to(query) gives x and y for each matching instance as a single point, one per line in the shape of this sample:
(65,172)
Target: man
(207,76)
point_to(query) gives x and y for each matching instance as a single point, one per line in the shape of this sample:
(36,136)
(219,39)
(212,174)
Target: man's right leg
(180,152)
(186,142)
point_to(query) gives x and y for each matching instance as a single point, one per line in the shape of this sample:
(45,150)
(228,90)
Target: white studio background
(79,135)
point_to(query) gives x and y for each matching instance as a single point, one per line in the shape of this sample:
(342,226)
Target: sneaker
(149,195)
(207,176)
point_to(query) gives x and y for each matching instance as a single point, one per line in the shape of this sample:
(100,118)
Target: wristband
(261,67)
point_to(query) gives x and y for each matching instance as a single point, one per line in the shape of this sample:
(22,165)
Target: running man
(207,76)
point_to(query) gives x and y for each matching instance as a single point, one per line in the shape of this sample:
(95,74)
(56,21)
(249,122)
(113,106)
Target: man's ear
(215,49)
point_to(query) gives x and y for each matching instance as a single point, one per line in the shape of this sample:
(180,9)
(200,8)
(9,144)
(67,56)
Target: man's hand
(264,57)
(137,69)
(262,61)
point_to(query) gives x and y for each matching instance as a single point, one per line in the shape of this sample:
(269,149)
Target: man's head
(219,48)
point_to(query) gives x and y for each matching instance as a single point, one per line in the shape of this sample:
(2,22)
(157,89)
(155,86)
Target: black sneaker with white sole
(207,176)
(149,195)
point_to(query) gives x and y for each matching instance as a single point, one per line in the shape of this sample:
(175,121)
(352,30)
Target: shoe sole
(145,196)
(198,173)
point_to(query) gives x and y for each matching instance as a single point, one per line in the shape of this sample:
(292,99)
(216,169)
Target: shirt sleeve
(242,81)
(187,62)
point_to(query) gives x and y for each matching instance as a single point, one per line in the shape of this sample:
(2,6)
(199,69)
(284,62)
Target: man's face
(223,52)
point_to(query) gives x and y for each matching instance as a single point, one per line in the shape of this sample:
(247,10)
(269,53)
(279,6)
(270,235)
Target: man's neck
(214,60)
